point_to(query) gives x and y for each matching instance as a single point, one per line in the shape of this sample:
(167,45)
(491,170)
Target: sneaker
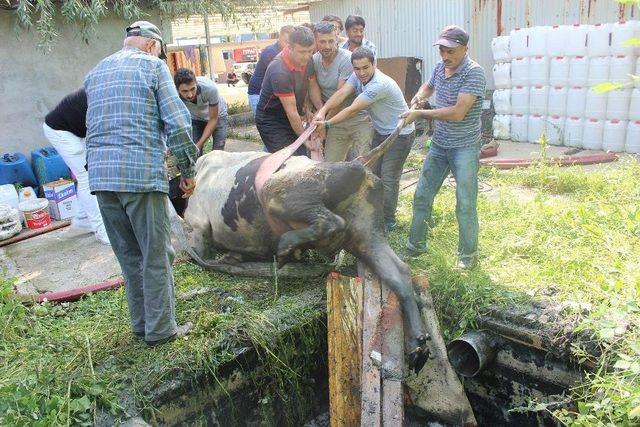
(466,263)
(181,332)
(80,226)
(101,236)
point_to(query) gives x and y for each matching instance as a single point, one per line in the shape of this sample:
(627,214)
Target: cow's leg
(396,275)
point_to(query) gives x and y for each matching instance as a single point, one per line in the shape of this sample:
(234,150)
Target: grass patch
(566,235)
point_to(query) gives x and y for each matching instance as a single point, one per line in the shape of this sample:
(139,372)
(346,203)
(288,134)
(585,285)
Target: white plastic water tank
(535,127)
(576,40)
(500,49)
(632,144)
(557,40)
(518,42)
(520,71)
(501,126)
(613,137)
(502,75)
(573,128)
(538,41)
(579,71)
(538,99)
(621,68)
(592,134)
(637,83)
(618,104)
(557,103)
(634,105)
(519,125)
(598,40)
(538,70)
(520,100)
(599,70)
(502,101)
(596,105)
(576,101)
(622,31)
(559,71)
(555,129)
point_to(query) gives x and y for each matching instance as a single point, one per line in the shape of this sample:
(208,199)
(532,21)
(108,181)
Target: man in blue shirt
(133,114)
(459,85)
(266,56)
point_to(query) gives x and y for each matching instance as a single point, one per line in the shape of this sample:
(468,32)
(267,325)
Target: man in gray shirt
(333,67)
(459,85)
(382,98)
(206,106)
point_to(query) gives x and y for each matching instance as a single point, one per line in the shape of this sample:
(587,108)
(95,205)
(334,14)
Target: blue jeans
(464,164)
(253,103)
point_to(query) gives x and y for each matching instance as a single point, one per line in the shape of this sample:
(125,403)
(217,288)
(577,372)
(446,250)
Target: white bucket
(538,70)
(592,134)
(598,40)
(599,70)
(637,83)
(559,71)
(535,128)
(36,213)
(520,100)
(555,129)
(501,126)
(538,41)
(9,196)
(576,101)
(518,42)
(621,68)
(502,75)
(579,71)
(557,104)
(500,49)
(576,40)
(622,31)
(520,71)
(573,128)
(634,105)
(613,137)
(538,99)
(596,105)
(557,40)
(632,144)
(618,104)
(502,101)
(10,223)
(519,125)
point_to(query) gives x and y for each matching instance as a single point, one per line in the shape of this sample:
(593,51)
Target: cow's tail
(370,158)
(251,269)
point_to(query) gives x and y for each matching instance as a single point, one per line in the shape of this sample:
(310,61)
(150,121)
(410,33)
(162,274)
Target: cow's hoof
(418,358)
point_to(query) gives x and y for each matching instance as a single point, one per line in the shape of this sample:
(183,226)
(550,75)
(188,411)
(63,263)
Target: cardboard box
(62,198)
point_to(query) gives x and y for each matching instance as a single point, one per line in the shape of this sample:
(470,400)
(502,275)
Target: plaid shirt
(365,43)
(134,113)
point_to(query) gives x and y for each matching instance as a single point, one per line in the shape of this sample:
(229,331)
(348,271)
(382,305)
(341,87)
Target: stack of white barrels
(544,79)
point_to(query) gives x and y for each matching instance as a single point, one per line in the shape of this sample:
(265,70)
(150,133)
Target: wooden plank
(392,332)
(371,347)
(344,325)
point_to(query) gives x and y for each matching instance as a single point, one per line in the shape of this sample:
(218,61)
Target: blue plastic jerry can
(48,165)
(14,168)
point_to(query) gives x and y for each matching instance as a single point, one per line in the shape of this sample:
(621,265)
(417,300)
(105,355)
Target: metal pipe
(470,353)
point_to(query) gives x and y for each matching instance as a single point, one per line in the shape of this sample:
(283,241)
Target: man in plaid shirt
(134,113)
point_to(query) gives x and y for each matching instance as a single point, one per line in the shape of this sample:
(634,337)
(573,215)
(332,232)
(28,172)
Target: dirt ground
(60,260)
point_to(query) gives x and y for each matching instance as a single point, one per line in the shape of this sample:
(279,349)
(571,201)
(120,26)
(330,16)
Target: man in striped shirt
(459,84)
(134,113)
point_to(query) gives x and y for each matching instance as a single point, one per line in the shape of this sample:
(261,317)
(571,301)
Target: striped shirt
(467,78)
(134,113)
(365,43)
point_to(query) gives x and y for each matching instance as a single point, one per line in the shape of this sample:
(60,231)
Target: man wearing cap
(382,98)
(266,56)
(284,90)
(333,68)
(459,84)
(354,27)
(133,114)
